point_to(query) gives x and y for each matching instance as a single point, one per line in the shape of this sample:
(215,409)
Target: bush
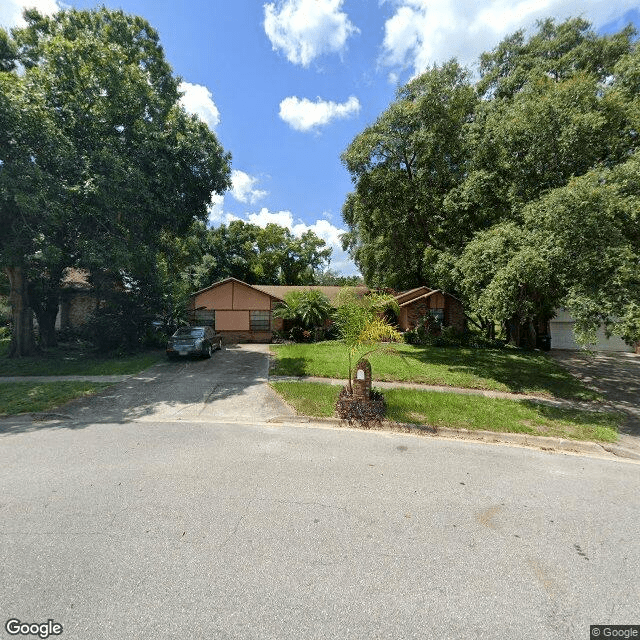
(121,325)
(450,337)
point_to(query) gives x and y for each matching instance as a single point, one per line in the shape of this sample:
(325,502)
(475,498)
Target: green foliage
(99,158)
(361,325)
(402,167)
(517,192)
(309,308)
(121,325)
(245,251)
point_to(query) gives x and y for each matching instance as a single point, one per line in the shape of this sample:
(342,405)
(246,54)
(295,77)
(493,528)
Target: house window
(205,317)
(260,320)
(438,314)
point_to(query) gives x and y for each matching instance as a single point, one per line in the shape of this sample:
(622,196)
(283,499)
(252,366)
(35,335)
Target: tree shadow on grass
(519,371)
(586,422)
(290,367)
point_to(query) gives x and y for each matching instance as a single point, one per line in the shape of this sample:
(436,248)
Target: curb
(544,443)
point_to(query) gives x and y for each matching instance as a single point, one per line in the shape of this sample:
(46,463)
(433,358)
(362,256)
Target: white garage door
(562,338)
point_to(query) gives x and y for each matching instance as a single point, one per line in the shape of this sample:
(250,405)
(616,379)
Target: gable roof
(278,292)
(226,280)
(416,298)
(331,291)
(412,295)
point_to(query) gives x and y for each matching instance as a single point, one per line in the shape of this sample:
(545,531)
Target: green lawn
(497,369)
(75,361)
(28,397)
(463,411)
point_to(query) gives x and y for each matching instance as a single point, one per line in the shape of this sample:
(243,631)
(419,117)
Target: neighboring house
(423,301)
(562,337)
(243,312)
(77,300)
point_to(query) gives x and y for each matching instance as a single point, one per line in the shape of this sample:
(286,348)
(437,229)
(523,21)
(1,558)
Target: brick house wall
(426,301)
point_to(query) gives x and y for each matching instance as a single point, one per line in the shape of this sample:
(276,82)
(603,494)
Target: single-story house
(423,301)
(244,312)
(562,337)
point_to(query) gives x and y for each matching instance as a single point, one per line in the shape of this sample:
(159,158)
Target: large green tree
(548,108)
(141,165)
(256,255)
(403,166)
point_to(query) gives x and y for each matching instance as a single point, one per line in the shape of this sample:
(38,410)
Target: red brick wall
(453,312)
(233,337)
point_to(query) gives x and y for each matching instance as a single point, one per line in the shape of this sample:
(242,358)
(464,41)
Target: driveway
(615,375)
(229,387)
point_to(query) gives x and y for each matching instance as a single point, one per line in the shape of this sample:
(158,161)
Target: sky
(286,85)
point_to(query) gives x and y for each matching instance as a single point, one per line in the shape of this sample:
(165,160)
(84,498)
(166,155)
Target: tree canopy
(99,158)
(256,255)
(523,198)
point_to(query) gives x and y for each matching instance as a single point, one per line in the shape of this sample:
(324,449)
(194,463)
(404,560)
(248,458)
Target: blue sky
(287,84)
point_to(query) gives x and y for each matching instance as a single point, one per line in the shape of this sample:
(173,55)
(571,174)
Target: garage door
(562,338)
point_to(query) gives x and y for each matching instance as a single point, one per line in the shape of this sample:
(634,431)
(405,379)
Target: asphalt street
(179,529)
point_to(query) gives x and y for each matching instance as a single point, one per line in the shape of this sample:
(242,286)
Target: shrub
(120,325)
(307,309)
(450,337)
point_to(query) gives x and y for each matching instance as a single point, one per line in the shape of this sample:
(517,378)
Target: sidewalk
(556,402)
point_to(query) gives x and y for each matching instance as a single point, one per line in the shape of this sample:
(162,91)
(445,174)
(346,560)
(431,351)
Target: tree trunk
(513,331)
(22,342)
(45,303)
(47,326)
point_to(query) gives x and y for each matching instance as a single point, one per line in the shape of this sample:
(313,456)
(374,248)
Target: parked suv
(190,341)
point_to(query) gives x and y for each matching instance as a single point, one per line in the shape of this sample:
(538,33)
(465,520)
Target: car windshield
(189,332)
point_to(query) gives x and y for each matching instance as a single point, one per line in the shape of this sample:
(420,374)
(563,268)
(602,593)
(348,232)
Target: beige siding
(249,298)
(219,298)
(232,320)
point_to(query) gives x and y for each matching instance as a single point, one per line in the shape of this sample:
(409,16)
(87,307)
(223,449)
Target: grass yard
(29,397)
(75,361)
(496,369)
(463,411)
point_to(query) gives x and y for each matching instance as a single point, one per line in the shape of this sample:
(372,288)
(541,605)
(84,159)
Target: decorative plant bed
(366,413)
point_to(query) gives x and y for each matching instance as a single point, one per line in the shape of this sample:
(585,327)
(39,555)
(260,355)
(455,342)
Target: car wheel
(209,351)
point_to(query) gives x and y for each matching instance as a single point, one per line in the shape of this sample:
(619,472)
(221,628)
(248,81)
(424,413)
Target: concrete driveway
(229,387)
(615,375)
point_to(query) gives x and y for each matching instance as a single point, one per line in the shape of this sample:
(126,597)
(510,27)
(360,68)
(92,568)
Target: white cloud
(340,260)
(217,215)
(305,115)
(306,29)
(422,32)
(243,189)
(11,10)
(197,99)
